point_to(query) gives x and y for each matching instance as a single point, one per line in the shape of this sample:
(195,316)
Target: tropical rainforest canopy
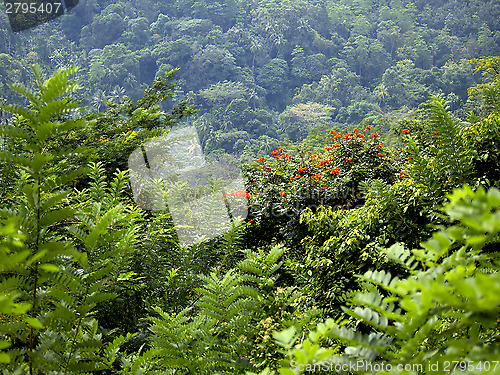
(363,237)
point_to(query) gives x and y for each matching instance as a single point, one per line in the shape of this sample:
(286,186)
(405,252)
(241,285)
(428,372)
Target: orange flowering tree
(281,185)
(439,152)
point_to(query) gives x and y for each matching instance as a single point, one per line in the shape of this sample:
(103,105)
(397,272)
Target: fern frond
(438,109)
(369,316)
(375,342)
(377,302)
(399,254)
(24,91)
(382,278)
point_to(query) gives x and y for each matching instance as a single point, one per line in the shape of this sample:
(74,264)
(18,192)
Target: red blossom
(406,131)
(434,132)
(262,160)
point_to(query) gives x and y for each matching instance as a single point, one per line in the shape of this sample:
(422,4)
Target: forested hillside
(362,238)
(262,71)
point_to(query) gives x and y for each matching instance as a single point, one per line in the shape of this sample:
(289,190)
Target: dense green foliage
(445,312)
(319,274)
(369,133)
(68,261)
(261,71)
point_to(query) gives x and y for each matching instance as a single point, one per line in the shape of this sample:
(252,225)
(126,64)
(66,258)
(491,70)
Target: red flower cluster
(321,167)
(238,194)
(406,131)
(434,132)
(278,155)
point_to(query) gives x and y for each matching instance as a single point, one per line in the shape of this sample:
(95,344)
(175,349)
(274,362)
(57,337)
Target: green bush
(53,285)
(446,310)
(228,327)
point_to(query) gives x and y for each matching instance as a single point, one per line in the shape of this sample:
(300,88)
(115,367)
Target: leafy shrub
(446,310)
(228,327)
(482,141)
(53,285)
(342,243)
(437,157)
